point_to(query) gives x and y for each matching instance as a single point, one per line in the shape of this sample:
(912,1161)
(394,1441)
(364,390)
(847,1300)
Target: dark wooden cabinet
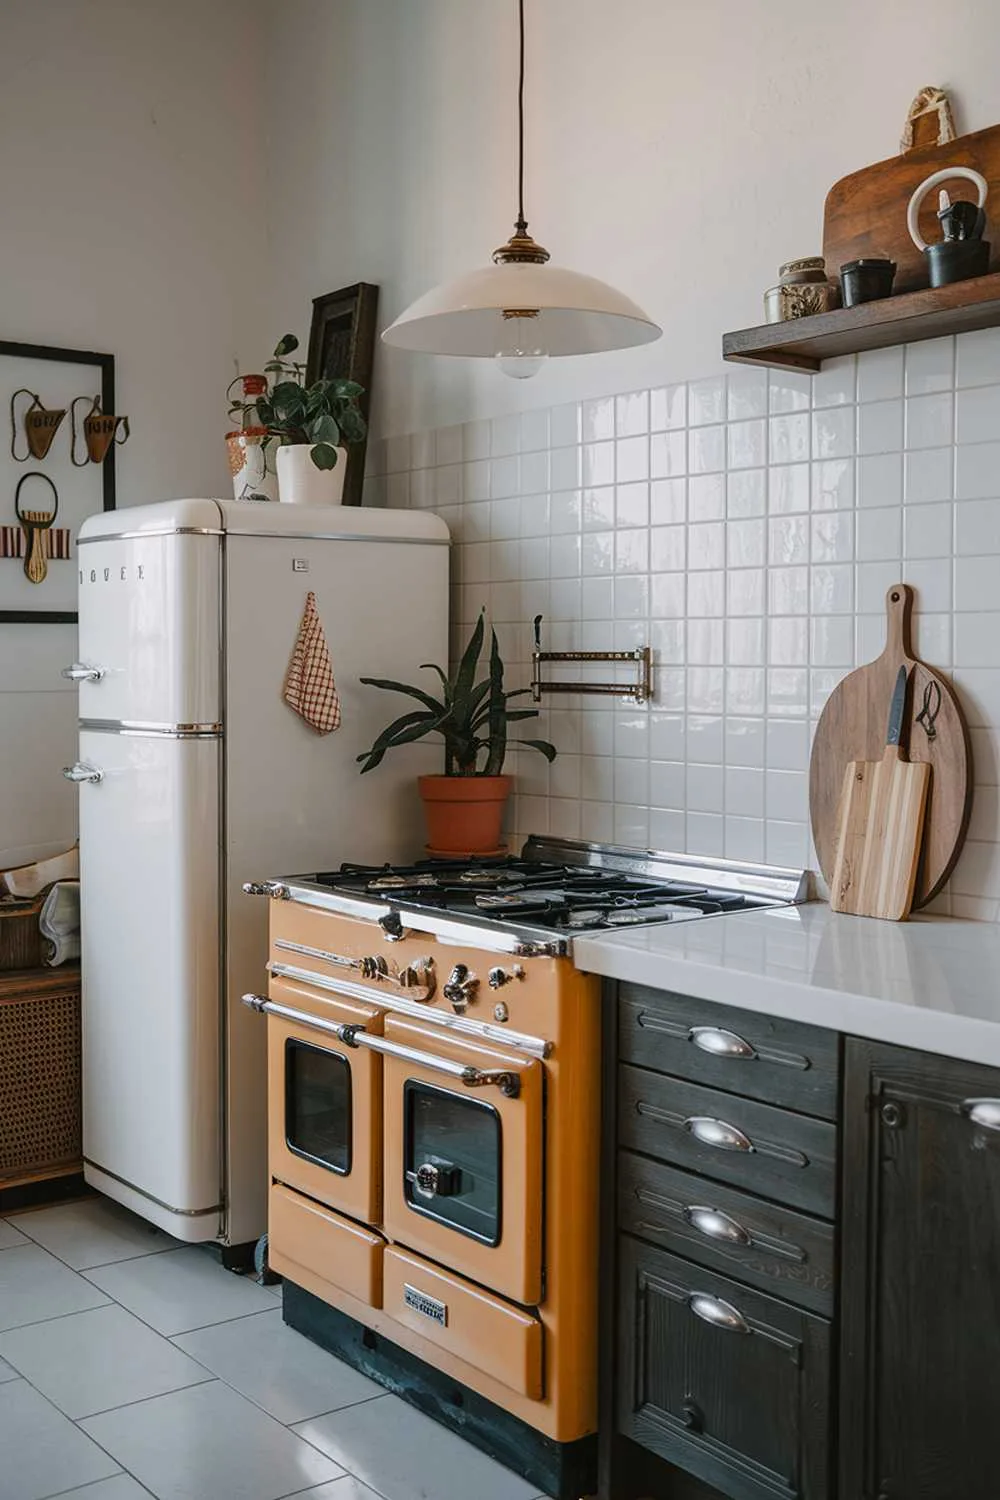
(726,1381)
(920,1280)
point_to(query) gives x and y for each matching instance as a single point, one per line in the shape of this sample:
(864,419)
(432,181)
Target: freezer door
(149,882)
(149,625)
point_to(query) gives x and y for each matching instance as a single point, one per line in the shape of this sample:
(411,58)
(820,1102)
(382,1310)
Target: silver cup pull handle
(985,1112)
(80,771)
(715,1225)
(720,1043)
(717,1133)
(720,1314)
(79,672)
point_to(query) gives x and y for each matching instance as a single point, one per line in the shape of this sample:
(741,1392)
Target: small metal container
(866,280)
(802,290)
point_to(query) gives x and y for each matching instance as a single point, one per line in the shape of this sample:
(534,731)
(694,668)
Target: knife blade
(897,708)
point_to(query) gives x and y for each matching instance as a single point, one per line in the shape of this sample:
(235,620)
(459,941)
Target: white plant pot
(301,483)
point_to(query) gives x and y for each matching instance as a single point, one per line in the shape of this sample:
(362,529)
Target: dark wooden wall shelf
(803,343)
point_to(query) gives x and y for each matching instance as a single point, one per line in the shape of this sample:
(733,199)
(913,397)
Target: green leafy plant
(471,717)
(324,414)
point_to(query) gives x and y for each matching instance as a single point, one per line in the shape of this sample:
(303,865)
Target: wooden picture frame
(104,366)
(342,345)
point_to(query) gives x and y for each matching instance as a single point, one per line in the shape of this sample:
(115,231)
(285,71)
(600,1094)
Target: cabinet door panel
(921,1278)
(722,1381)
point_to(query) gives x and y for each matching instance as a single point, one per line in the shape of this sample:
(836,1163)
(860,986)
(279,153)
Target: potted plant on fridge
(464,806)
(313,425)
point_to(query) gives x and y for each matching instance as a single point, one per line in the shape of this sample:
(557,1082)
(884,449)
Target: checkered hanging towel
(309,686)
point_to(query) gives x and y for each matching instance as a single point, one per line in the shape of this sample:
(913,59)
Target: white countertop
(931,983)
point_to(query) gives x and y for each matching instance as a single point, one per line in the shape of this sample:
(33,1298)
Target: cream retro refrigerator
(194,777)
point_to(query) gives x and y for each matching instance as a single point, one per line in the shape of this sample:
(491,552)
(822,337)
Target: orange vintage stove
(434,1103)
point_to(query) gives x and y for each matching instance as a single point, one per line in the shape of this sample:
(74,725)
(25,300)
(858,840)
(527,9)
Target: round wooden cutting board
(853,726)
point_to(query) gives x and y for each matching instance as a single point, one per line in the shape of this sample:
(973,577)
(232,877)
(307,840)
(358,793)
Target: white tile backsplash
(747,526)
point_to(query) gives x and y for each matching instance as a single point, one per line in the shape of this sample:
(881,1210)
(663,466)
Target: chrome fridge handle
(984,1112)
(78,672)
(354,1035)
(82,772)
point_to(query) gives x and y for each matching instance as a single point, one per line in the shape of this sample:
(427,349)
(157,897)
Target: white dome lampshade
(521,311)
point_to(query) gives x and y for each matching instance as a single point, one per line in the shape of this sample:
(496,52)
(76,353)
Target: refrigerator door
(149,626)
(295,799)
(149,881)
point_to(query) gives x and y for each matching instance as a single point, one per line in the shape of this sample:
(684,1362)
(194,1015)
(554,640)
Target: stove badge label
(428,1306)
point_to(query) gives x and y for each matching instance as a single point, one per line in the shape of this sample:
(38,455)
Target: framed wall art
(342,345)
(57,467)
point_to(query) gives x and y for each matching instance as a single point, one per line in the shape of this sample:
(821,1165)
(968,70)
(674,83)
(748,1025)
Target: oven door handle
(353,1034)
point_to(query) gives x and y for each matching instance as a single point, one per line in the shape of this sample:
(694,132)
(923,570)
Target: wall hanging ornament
(39,423)
(100,430)
(521,311)
(35,523)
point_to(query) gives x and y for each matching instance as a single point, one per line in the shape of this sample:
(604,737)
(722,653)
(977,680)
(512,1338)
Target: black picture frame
(342,346)
(105,363)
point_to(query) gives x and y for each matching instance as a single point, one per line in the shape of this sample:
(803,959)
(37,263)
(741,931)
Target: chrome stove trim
(481,933)
(517,1041)
(792,886)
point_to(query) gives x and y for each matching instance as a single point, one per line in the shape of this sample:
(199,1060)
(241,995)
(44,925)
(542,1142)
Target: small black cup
(866,280)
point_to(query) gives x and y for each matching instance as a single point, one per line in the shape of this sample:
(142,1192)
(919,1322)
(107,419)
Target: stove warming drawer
(321,1250)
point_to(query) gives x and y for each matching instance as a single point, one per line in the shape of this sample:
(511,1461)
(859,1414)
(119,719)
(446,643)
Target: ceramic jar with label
(802,291)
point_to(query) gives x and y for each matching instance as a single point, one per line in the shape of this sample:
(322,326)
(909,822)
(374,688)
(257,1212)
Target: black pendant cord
(521,227)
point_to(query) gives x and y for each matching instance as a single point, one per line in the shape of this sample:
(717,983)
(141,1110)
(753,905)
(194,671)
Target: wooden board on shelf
(865,213)
(853,727)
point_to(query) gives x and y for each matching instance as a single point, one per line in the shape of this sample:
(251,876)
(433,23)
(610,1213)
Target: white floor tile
(34,1285)
(420,1458)
(41,1452)
(120,1487)
(7,1372)
(347,1488)
(92,1361)
(92,1232)
(208,1441)
(277,1368)
(180,1290)
(9,1235)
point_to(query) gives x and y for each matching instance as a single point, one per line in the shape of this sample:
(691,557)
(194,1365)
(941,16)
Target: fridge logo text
(120,575)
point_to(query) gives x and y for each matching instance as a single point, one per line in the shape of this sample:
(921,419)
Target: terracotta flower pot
(464,813)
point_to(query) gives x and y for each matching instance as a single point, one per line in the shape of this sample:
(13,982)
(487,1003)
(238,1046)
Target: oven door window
(452,1160)
(318,1105)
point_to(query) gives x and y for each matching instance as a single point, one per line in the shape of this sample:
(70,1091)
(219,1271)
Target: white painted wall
(133,221)
(678,148)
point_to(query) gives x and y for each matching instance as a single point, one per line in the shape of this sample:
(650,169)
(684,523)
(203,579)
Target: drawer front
(319,1250)
(726,1383)
(760,1057)
(780,1155)
(491,1335)
(763,1244)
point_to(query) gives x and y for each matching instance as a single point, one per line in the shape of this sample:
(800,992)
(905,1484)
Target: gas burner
(390,882)
(486,877)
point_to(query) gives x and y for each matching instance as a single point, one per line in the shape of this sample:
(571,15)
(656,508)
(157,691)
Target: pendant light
(521,311)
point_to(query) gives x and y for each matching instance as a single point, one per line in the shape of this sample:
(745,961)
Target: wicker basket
(40,1074)
(20,939)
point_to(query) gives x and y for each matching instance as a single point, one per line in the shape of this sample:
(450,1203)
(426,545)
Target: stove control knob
(437,1179)
(461,987)
(392,927)
(500,1012)
(499,977)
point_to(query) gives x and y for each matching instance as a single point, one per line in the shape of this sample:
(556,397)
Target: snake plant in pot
(464,806)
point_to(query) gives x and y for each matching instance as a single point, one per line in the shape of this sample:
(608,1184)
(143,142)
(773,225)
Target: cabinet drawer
(781,1155)
(322,1251)
(726,1383)
(767,1246)
(760,1057)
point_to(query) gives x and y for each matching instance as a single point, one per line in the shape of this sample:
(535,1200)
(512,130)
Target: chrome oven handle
(717,1133)
(717,1312)
(82,772)
(719,1042)
(79,672)
(507,1080)
(984,1112)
